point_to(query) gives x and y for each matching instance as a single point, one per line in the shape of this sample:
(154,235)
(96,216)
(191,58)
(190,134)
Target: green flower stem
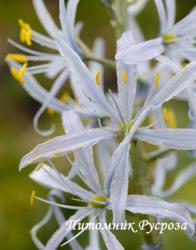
(142,185)
(121,16)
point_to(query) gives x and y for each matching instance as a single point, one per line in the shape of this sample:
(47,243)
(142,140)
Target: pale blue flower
(176,40)
(96,206)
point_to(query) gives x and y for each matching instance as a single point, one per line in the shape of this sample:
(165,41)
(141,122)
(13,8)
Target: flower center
(98,201)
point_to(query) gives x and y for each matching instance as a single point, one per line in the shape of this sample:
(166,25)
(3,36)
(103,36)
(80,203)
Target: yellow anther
(17,57)
(98,198)
(50,111)
(124,76)
(98,78)
(25,32)
(39,166)
(157,79)
(165,116)
(170,118)
(18,74)
(167,37)
(32,198)
(64,97)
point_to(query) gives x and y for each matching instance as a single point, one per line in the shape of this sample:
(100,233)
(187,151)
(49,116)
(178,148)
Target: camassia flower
(50,63)
(97,198)
(119,109)
(176,42)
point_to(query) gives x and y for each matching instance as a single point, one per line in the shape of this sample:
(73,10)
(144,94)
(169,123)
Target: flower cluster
(106,132)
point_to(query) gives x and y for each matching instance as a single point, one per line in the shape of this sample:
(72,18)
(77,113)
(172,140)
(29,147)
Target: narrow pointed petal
(127,90)
(71,11)
(171,12)
(36,91)
(183,177)
(50,178)
(83,76)
(93,238)
(119,156)
(37,227)
(54,90)
(141,52)
(162,167)
(119,188)
(68,34)
(182,139)
(64,229)
(83,157)
(45,18)
(109,238)
(161,13)
(60,145)
(177,84)
(161,209)
(60,218)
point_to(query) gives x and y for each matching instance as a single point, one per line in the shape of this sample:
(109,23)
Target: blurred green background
(17,110)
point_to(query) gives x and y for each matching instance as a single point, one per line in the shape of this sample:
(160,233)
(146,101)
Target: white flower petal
(37,227)
(60,218)
(48,177)
(126,86)
(62,144)
(141,52)
(182,139)
(161,209)
(119,188)
(162,167)
(83,157)
(71,12)
(83,76)
(161,13)
(176,85)
(183,177)
(171,12)
(62,232)
(36,91)
(54,90)
(45,18)
(109,238)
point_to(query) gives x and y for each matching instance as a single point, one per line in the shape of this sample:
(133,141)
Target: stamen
(18,74)
(98,78)
(17,57)
(165,115)
(25,32)
(171,118)
(32,198)
(157,79)
(96,199)
(124,76)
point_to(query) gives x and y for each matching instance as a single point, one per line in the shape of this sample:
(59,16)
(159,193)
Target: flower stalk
(142,180)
